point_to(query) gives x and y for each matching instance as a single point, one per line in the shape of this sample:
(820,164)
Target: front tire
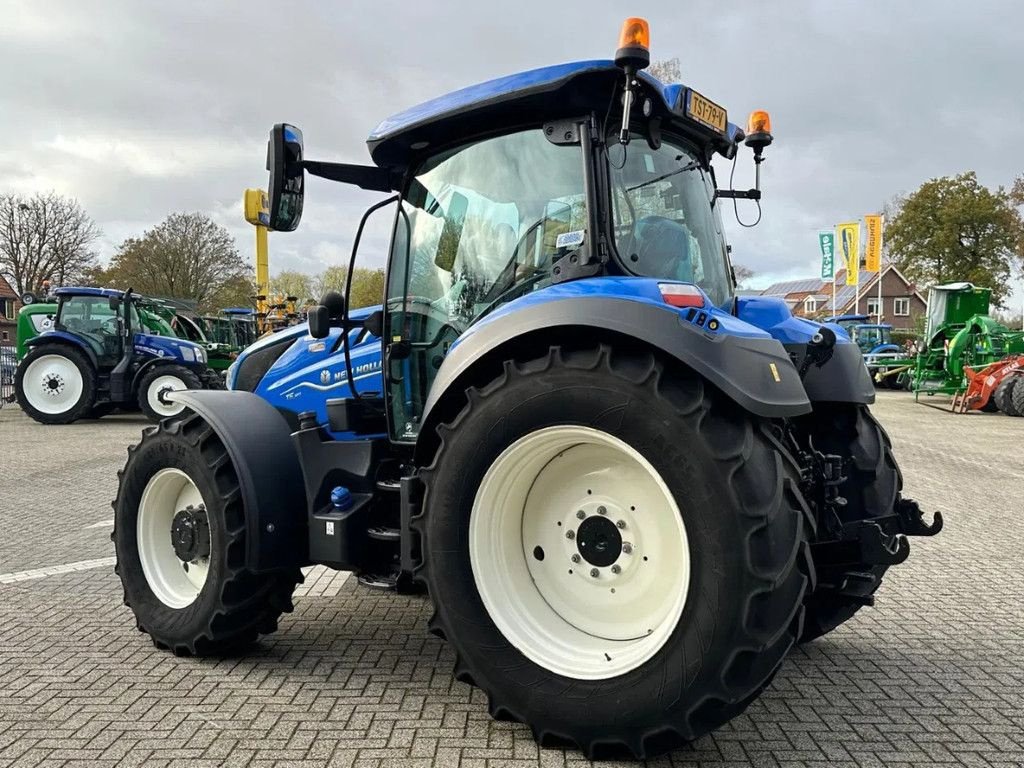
(191,591)
(55,384)
(710,505)
(157,382)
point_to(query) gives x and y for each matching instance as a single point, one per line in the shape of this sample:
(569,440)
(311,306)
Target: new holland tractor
(628,492)
(95,353)
(887,363)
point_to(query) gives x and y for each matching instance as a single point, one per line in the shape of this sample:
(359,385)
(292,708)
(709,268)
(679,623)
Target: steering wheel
(109,326)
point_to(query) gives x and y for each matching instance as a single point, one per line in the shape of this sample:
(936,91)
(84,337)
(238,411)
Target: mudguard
(842,379)
(747,364)
(63,337)
(259,443)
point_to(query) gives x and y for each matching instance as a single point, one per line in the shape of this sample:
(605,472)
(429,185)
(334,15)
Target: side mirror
(114,303)
(319,322)
(284,161)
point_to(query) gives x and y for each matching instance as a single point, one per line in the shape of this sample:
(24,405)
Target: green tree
(367,287)
(187,256)
(954,228)
(331,279)
(237,292)
(290,282)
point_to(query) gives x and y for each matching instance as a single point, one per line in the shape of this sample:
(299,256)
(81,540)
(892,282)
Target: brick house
(9,306)
(902,304)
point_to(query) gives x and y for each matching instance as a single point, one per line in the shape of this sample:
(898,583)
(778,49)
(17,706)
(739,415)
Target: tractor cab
(870,337)
(585,179)
(98,317)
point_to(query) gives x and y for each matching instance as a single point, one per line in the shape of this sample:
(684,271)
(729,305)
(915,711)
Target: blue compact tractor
(628,492)
(97,355)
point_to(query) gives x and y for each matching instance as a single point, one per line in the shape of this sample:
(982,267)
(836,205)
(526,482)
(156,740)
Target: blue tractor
(628,492)
(97,355)
(880,354)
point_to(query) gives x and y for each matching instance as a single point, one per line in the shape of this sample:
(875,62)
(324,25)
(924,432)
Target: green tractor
(959,332)
(227,334)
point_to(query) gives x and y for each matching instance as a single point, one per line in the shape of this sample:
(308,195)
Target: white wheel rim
(576,624)
(52,384)
(163,384)
(175,583)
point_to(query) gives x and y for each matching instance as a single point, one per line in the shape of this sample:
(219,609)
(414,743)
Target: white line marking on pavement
(55,570)
(321,581)
(102,524)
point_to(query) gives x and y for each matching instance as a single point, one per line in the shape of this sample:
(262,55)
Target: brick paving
(934,675)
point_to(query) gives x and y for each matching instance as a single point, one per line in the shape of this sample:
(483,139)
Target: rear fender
(63,337)
(258,440)
(751,368)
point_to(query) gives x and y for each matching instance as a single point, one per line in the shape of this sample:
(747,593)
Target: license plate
(706,111)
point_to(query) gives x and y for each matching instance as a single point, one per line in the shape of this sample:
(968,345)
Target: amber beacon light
(634,44)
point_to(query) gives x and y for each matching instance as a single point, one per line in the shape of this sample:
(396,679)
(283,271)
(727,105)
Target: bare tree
(186,256)
(666,70)
(45,237)
(743,274)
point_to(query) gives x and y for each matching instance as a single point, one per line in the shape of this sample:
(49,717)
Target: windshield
(484,222)
(664,222)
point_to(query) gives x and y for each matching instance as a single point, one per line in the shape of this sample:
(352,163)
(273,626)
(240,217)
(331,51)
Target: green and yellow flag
(848,237)
(873,251)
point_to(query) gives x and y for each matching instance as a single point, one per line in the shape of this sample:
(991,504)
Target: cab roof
(530,98)
(104,292)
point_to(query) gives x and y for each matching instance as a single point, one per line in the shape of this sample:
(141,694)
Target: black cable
(735,205)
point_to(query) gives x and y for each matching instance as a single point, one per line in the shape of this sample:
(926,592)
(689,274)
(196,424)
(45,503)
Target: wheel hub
(190,534)
(599,541)
(53,384)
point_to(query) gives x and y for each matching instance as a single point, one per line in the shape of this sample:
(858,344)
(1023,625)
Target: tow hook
(880,540)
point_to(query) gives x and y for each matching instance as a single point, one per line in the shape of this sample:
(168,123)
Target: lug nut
(594,572)
(616,568)
(575,558)
(627,548)
(581,514)
(602,511)
(570,535)
(621,524)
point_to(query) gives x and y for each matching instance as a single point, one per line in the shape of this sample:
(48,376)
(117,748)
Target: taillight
(681,294)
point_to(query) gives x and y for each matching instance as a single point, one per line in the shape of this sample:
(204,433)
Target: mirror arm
(345,325)
(364,176)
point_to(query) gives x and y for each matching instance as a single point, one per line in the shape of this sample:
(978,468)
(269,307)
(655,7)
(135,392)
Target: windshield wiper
(688,167)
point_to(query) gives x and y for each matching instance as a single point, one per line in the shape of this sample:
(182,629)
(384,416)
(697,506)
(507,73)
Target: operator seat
(663,246)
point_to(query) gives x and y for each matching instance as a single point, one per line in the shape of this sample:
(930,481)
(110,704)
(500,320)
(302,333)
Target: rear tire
(1017,398)
(560,666)
(871,488)
(1003,396)
(216,605)
(160,379)
(55,384)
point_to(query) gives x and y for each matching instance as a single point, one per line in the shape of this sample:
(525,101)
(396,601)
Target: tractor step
(382,533)
(384,581)
(391,486)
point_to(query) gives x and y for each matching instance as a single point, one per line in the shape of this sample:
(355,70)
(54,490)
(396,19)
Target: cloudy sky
(140,109)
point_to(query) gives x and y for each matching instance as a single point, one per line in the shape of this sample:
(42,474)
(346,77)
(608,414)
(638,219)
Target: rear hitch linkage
(879,541)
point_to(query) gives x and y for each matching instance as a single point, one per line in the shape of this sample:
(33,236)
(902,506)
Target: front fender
(752,368)
(259,443)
